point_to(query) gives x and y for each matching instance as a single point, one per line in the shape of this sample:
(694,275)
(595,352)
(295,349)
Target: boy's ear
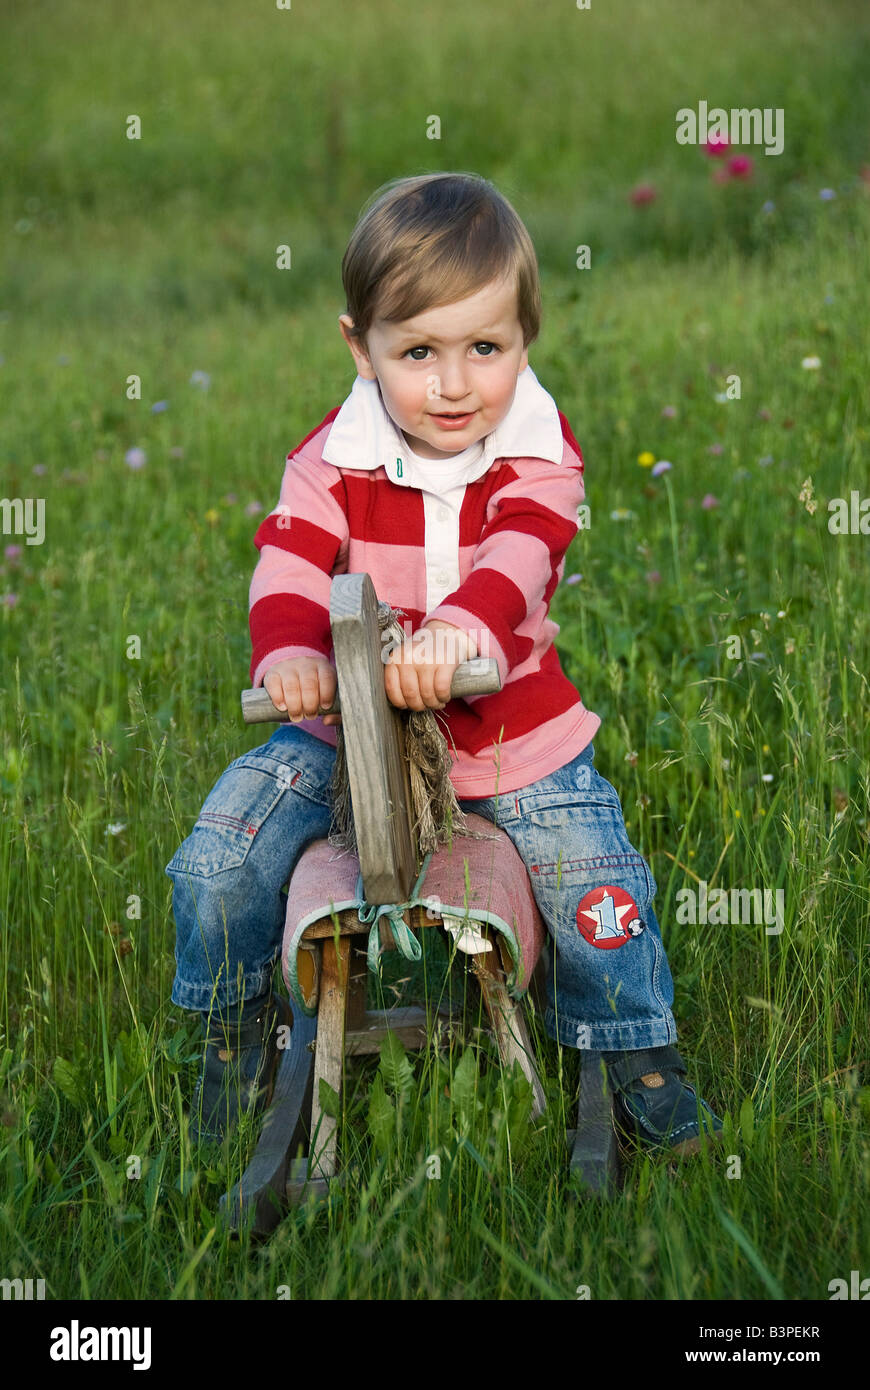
(360,356)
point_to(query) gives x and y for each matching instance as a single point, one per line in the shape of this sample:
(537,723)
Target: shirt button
(443,514)
(442,578)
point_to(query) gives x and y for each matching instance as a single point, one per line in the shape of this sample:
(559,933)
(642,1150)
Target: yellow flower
(646,459)
(212,516)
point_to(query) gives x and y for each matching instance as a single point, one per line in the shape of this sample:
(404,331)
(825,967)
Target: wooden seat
(497,925)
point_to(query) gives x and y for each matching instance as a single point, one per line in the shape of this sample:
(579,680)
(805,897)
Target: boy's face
(461,359)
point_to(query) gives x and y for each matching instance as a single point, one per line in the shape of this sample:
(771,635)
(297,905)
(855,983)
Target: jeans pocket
(232,815)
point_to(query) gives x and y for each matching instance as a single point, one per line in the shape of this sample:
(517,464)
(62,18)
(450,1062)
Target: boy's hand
(418,675)
(302,686)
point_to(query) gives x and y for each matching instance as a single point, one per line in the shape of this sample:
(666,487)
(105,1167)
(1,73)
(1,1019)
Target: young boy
(449,476)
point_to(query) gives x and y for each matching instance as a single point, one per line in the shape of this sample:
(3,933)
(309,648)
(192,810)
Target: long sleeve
(300,543)
(531,520)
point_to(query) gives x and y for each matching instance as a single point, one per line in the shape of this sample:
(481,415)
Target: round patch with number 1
(608,917)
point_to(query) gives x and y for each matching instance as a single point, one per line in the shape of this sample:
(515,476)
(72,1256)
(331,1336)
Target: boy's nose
(454,391)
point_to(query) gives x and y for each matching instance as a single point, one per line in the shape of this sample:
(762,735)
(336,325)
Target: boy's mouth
(454,418)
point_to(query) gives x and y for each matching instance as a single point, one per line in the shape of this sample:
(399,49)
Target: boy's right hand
(302,686)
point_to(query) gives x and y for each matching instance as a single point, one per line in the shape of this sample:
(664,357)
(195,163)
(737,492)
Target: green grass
(157,259)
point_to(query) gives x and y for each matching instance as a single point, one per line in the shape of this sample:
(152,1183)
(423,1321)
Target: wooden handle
(477,677)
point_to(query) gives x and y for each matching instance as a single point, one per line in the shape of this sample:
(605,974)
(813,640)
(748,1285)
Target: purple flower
(714,449)
(669,412)
(653,577)
(826,194)
(159,406)
(708,501)
(573,579)
(200,379)
(768,207)
(253,509)
(12,553)
(661,467)
(135,458)
(230,498)
(176,452)
(9,600)
(39,470)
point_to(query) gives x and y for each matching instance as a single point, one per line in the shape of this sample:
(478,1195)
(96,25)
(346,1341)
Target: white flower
(116,827)
(811,364)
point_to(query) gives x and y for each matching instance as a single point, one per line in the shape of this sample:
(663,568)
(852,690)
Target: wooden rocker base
(594,1163)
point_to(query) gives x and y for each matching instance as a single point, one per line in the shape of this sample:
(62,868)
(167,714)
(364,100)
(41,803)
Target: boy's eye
(491,348)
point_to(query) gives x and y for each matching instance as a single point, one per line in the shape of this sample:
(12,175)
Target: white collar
(363,435)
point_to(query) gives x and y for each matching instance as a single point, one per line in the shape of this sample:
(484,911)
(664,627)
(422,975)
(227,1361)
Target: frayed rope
(435,810)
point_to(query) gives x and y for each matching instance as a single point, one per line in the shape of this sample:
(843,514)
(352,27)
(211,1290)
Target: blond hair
(434,239)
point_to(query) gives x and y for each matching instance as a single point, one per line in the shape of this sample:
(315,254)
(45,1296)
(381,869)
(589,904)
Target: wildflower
(643,193)
(116,827)
(767,776)
(764,414)
(806,496)
(158,407)
(768,208)
(40,470)
(200,379)
(720,397)
(573,579)
(811,364)
(765,461)
(212,516)
(62,359)
(717,147)
(9,600)
(714,449)
(253,509)
(631,758)
(176,452)
(708,501)
(653,577)
(622,514)
(826,194)
(789,646)
(669,412)
(12,553)
(740,166)
(135,458)
(661,467)
(230,498)
(646,459)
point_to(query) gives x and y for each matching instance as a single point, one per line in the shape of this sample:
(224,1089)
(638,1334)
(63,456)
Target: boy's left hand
(418,675)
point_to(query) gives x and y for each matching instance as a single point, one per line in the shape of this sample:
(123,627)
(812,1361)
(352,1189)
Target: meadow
(708,612)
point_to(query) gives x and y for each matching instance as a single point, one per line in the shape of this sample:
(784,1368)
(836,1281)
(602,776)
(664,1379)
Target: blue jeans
(608,983)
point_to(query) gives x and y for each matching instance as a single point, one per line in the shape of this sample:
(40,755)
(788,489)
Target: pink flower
(714,449)
(135,458)
(716,147)
(12,553)
(9,600)
(253,508)
(653,577)
(643,193)
(708,501)
(740,166)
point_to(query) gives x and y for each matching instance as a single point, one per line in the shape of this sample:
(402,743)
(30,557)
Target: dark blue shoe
(653,1105)
(239,1064)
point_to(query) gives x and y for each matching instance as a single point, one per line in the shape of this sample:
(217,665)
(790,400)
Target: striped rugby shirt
(480,545)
